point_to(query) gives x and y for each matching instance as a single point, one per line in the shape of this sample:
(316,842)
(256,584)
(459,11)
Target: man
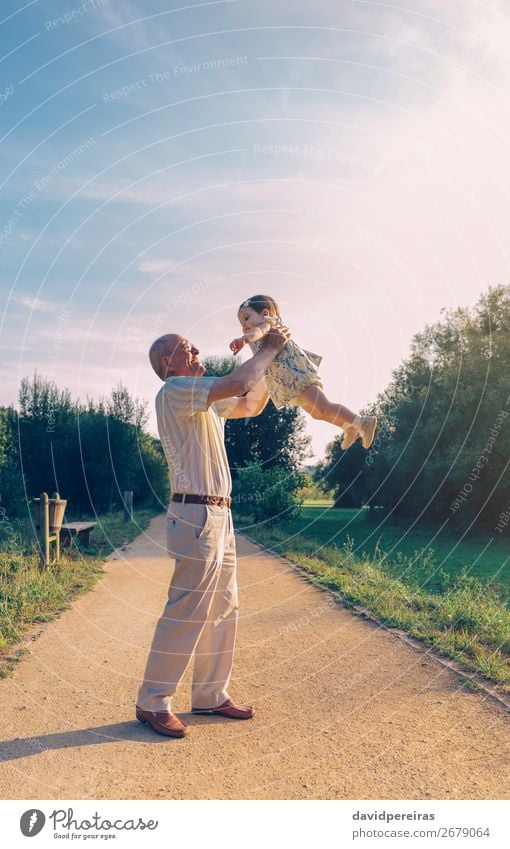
(200,616)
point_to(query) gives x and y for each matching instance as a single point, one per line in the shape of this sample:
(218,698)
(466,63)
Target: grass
(30,595)
(458,611)
(372,535)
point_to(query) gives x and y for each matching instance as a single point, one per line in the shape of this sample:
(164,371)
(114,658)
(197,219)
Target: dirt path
(344,709)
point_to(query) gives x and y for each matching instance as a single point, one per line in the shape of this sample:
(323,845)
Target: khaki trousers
(200,616)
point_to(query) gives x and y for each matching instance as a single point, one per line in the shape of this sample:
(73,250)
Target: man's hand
(276,339)
(237,344)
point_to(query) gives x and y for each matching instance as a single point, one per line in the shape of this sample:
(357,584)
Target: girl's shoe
(350,436)
(367,430)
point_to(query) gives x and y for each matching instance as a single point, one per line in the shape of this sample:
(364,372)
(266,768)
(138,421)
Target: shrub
(268,494)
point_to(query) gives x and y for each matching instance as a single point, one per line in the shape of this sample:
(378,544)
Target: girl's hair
(259,303)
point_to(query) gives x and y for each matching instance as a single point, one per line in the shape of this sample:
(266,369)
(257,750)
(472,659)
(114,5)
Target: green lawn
(370,534)
(449,593)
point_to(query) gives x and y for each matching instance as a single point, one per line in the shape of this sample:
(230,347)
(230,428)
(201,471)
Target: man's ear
(167,371)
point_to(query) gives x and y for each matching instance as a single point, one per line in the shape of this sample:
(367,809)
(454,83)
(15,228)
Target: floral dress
(291,371)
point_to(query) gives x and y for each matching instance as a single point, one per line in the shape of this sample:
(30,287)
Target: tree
(346,473)
(47,442)
(12,491)
(91,453)
(443,452)
(117,453)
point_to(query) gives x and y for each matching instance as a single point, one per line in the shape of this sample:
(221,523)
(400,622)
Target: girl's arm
(253,335)
(257,333)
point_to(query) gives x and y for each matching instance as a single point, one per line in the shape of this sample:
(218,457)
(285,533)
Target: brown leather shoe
(163,722)
(228,709)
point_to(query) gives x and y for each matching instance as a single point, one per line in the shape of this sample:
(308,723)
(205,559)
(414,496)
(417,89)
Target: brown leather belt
(212,500)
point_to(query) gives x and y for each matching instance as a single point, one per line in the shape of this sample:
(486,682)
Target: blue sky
(164,161)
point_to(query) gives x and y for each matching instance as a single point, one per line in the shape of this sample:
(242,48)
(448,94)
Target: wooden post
(56,532)
(45,529)
(49,531)
(128,506)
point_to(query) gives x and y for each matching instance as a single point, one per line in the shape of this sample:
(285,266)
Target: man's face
(183,360)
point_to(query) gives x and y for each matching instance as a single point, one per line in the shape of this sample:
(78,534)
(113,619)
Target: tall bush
(268,494)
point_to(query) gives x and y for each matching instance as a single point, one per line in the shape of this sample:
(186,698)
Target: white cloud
(35,304)
(156,266)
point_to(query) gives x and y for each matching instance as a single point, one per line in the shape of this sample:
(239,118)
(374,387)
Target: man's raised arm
(244,378)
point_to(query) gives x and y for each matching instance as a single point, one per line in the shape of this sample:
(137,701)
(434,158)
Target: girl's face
(250,318)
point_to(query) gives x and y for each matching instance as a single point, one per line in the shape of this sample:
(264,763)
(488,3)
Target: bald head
(163,347)
(172,354)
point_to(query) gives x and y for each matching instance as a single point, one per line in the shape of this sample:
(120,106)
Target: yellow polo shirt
(192,434)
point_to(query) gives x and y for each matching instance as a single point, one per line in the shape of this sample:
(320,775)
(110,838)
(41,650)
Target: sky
(163,161)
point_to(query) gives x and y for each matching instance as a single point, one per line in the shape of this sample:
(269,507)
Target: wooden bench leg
(84,537)
(65,538)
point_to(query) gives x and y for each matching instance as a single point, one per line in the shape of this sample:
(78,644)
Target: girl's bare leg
(314,401)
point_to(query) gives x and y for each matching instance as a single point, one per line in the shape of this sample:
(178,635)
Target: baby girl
(293,378)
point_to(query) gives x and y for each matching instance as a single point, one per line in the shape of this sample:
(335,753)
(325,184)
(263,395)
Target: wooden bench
(81,530)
